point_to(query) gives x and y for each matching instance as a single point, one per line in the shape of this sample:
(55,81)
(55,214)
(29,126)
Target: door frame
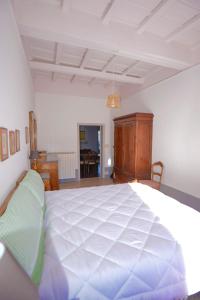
(102,137)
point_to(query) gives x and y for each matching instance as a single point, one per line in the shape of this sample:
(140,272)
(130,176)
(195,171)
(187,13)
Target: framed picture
(82,135)
(32,131)
(17,140)
(27,135)
(3,143)
(12,142)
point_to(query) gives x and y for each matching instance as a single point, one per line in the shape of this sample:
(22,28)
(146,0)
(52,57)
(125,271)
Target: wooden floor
(195,297)
(86,182)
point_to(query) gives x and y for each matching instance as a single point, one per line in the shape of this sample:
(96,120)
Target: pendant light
(113,100)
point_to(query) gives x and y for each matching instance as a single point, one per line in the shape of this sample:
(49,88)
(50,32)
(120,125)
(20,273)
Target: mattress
(124,241)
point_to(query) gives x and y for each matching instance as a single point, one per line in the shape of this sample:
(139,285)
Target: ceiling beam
(66,5)
(157,9)
(58,55)
(110,60)
(84,59)
(113,39)
(83,72)
(106,16)
(72,79)
(91,80)
(127,70)
(27,48)
(186,26)
(136,52)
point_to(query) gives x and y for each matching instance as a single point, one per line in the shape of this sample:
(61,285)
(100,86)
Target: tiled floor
(86,182)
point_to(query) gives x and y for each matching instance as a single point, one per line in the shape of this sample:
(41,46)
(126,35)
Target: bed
(125,242)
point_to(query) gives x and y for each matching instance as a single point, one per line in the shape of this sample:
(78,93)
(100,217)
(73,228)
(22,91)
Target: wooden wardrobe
(132,147)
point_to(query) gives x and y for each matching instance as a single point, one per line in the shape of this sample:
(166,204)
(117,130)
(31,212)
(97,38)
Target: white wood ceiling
(134,42)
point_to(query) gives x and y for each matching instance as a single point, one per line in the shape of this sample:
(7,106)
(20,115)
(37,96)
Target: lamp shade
(34,154)
(113,101)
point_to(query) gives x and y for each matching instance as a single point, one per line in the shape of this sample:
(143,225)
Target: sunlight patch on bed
(182,222)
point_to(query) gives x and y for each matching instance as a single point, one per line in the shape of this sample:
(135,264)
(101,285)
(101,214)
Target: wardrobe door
(118,150)
(129,150)
(143,149)
(133,143)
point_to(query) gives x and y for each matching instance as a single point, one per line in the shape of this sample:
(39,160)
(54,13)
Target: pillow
(21,229)
(34,183)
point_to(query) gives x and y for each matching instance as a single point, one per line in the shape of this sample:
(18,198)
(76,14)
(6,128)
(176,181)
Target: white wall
(16,96)
(176,135)
(58,117)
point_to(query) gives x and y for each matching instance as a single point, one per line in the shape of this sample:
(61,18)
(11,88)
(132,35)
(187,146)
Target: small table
(46,180)
(50,166)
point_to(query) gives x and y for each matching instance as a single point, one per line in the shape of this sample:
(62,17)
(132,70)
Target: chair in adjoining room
(84,162)
(92,165)
(156,175)
(88,163)
(82,166)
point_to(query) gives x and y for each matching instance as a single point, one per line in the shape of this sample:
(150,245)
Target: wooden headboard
(4,205)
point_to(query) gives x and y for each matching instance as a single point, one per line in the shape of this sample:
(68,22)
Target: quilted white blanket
(123,241)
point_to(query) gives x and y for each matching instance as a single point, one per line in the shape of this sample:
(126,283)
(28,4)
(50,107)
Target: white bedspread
(123,241)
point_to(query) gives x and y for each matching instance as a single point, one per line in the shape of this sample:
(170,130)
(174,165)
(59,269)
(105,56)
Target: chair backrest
(157,171)
(92,158)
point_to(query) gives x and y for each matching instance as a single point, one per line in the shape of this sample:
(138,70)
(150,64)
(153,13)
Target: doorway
(90,145)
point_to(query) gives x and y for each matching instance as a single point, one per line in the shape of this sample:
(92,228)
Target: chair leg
(86,170)
(81,175)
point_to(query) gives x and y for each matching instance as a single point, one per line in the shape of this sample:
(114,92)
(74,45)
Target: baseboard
(106,176)
(184,198)
(107,172)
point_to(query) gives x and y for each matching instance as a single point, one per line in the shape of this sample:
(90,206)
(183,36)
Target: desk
(46,180)
(51,167)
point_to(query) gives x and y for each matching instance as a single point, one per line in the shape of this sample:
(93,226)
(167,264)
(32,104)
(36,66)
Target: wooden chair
(156,176)
(82,167)
(90,163)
